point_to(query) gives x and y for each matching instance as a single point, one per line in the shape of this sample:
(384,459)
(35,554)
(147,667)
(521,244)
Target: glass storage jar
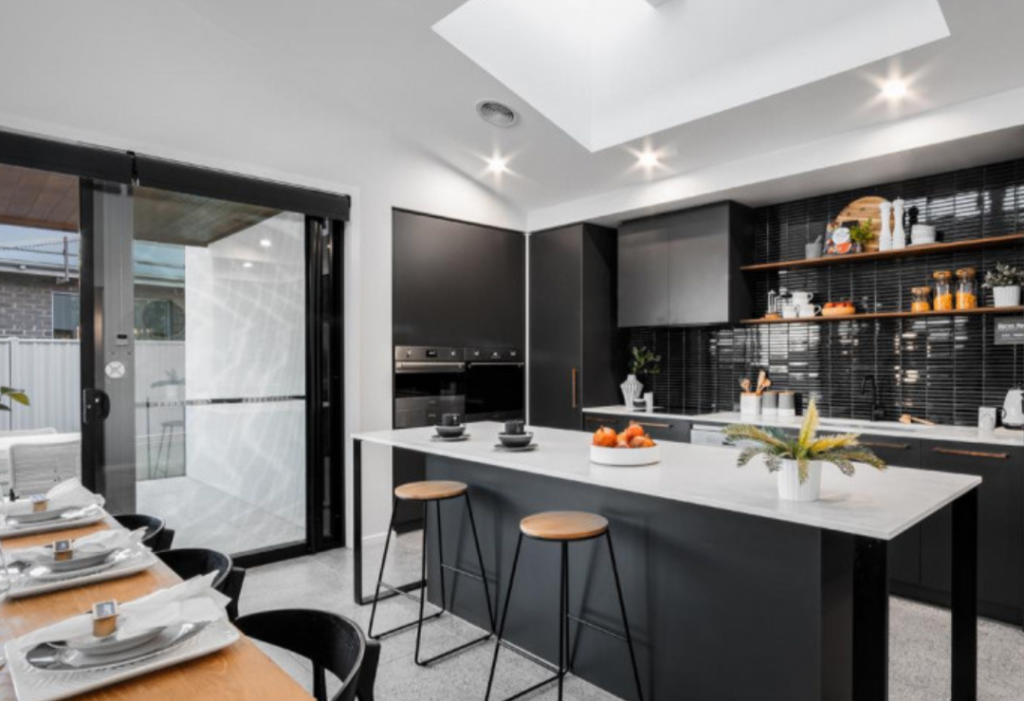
(943,300)
(922,301)
(966,289)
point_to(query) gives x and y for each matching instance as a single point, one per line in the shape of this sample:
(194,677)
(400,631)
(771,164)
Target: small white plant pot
(750,404)
(790,488)
(1006,296)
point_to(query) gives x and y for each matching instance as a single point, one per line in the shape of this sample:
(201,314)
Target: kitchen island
(731,593)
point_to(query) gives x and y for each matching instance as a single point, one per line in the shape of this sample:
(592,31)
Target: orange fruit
(622,441)
(605,437)
(634,430)
(648,443)
(637,441)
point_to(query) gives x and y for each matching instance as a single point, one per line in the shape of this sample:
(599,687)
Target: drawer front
(1000,520)
(898,452)
(592,422)
(664,429)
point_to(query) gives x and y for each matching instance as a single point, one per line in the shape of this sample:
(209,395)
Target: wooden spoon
(745,385)
(761,377)
(908,419)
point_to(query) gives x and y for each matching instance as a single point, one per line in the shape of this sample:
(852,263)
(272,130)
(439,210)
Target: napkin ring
(40,502)
(63,550)
(104,618)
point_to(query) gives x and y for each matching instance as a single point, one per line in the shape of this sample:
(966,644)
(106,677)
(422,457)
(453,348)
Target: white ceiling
(612,71)
(341,73)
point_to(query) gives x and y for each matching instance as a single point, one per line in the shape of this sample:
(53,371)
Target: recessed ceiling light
(497,164)
(894,89)
(247,264)
(496,113)
(266,243)
(647,159)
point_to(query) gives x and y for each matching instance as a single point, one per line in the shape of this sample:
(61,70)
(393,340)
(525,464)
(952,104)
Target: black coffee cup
(450,419)
(515,427)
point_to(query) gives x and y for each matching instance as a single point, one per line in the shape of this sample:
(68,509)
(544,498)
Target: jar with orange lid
(922,301)
(966,289)
(943,300)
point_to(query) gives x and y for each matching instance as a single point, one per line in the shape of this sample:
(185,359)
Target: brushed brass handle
(971,453)
(652,425)
(894,446)
(595,419)
(575,403)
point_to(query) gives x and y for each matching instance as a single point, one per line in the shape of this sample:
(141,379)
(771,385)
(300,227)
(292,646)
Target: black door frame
(326,214)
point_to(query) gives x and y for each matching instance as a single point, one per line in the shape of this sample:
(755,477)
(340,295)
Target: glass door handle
(95,406)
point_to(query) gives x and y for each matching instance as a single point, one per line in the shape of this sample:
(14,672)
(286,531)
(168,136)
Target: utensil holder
(750,404)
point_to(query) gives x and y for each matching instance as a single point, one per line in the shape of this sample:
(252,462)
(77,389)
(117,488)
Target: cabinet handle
(894,446)
(971,453)
(575,404)
(595,419)
(652,425)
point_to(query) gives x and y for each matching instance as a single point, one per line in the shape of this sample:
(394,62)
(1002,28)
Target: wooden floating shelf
(908,252)
(890,315)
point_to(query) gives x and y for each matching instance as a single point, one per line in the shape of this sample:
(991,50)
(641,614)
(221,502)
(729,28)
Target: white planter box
(790,488)
(1006,296)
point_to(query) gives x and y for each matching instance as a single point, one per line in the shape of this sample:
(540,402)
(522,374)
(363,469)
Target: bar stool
(563,527)
(426,492)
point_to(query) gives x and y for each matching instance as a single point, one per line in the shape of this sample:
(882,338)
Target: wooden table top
(241,672)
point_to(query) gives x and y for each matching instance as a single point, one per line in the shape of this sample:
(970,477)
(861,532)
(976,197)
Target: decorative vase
(1006,296)
(631,390)
(899,235)
(885,235)
(790,488)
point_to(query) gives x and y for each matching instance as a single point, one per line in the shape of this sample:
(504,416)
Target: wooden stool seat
(563,525)
(430,490)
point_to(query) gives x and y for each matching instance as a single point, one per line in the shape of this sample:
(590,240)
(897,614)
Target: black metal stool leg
(480,561)
(383,561)
(423,578)
(625,622)
(563,620)
(504,615)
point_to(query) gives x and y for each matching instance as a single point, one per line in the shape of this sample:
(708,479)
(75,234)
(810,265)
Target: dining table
(239,672)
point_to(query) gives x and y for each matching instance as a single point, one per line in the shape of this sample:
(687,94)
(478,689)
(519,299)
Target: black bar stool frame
(563,622)
(422,586)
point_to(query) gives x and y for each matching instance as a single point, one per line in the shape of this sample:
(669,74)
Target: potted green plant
(13,395)
(642,362)
(798,460)
(863,235)
(1005,281)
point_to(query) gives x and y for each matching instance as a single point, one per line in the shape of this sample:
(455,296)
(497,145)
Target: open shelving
(908,252)
(890,315)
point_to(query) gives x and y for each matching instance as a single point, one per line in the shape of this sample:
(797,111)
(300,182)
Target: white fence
(48,371)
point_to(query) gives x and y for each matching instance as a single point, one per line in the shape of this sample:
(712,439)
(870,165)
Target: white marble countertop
(874,504)
(964,434)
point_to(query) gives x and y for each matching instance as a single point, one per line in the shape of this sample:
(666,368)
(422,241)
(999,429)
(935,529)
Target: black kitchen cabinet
(662,428)
(574,355)
(683,268)
(1000,526)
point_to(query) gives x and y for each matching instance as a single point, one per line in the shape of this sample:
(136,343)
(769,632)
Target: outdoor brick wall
(26,304)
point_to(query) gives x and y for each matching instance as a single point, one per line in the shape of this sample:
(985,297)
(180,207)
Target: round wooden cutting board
(862,210)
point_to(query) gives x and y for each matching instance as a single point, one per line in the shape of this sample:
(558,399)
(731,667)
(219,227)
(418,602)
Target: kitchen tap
(877,410)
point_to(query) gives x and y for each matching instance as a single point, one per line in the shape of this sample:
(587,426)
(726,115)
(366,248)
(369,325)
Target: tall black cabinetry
(574,356)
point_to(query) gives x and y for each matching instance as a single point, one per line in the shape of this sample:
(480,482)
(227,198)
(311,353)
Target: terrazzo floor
(919,642)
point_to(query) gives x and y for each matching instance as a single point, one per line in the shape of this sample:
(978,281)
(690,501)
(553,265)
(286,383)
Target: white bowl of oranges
(630,448)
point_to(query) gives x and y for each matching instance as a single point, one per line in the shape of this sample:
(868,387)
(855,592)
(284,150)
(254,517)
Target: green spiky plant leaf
(644,361)
(14,395)
(774,445)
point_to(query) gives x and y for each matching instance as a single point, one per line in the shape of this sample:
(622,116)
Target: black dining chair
(158,535)
(329,641)
(192,562)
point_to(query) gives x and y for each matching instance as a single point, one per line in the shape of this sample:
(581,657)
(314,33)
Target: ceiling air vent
(496,113)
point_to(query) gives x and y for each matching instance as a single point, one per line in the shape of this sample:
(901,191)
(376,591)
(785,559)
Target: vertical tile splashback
(942,368)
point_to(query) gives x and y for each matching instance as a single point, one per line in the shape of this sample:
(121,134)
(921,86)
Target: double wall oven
(478,384)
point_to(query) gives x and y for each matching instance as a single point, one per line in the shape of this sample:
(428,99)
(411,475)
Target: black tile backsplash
(942,368)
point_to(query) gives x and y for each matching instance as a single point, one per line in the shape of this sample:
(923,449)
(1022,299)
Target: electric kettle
(1013,408)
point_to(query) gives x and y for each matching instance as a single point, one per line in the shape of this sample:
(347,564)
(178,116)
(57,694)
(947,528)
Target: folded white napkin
(193,601)
(113,539)
(68,494)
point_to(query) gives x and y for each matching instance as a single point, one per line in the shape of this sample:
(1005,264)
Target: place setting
(114,642)
(66,505)
(515,438)
(450,430)
(66,564)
